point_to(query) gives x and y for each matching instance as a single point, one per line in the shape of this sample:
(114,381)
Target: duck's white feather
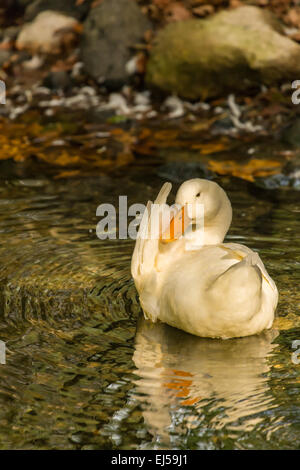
(219,290)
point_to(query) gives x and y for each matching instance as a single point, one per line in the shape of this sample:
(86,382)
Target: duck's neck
(214,230)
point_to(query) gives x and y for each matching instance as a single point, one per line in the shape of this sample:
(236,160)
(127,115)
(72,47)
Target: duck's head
(198,197)
(199,191)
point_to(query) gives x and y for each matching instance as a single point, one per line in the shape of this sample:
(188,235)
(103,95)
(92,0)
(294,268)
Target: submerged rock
(178,172)
(231,50)
(44,34)
(111,31)
(222,126)
(288,178)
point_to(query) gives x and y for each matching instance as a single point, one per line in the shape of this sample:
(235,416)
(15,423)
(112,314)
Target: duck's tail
(146,246)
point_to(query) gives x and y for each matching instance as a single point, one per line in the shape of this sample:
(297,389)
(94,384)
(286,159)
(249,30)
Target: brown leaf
(96,3)
(162,3)
(203,10)
(247,171)
(205,124)
(177,12)
(67,174)
(273,109)
(141,61)
(236,3)
(6,45)
(166,135)
(293,17)
(211,147)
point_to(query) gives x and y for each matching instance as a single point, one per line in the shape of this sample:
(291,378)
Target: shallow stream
(85,371)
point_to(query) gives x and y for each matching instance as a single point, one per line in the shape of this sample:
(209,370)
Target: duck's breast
(184,302)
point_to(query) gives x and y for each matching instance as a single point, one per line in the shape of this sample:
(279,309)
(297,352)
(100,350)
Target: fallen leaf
(211,147)
(273,109)
(166,134)
(205,124)
(96,3)
(162,3)
(293,17)
(61,158)
(203,10)
(58,143)
(247,171)
(177,12)
(67,174)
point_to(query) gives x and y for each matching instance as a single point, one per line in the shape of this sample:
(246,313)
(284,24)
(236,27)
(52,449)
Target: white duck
(195,282)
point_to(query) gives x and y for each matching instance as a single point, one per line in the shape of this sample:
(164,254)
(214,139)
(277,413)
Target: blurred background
(124,64)
(219,68)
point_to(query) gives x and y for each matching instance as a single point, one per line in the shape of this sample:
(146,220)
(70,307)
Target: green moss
(201,58)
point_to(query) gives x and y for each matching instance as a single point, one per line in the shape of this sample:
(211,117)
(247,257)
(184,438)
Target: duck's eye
(198,194)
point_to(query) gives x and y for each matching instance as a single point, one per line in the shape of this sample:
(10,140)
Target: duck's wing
(146,247)
(242,252)
(163,194)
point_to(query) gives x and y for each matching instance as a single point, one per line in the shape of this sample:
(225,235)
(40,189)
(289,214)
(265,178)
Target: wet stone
(222,126)
(178,172)
(288,179)
(59,80)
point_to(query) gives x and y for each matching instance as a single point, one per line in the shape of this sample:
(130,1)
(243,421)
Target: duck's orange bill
(177,227)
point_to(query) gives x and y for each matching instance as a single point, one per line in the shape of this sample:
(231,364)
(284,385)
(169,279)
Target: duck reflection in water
(187,383)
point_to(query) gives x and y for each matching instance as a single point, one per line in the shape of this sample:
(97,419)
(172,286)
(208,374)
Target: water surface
(85,371)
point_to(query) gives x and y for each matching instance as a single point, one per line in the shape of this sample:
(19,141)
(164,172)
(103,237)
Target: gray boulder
(229,51)
(111,31)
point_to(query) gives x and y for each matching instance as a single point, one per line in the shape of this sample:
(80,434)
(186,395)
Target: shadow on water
(79,376)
